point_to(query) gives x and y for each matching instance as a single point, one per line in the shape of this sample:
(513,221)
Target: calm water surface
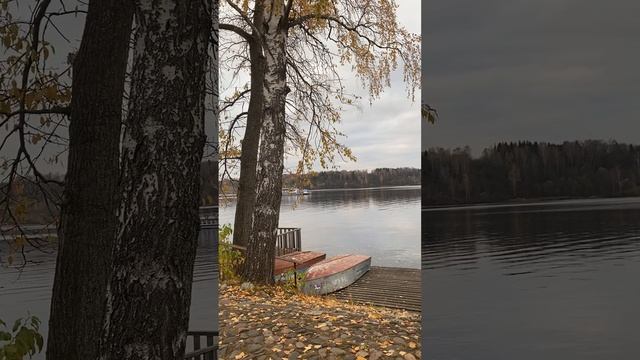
(29,290)
(383,223)
(554,280)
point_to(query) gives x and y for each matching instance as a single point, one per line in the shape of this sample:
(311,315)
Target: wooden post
(196,342)
(210,356)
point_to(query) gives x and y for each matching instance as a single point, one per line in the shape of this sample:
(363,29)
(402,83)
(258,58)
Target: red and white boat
(335,273)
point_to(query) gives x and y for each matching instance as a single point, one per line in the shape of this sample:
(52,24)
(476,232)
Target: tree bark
(251,140)
(149,294)
(88,215)
(261,246)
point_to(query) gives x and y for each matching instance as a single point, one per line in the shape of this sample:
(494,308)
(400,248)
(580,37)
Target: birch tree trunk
(149,294)
(88,215)
(261,246)
(250,142)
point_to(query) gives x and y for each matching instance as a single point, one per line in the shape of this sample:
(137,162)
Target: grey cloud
(544,70)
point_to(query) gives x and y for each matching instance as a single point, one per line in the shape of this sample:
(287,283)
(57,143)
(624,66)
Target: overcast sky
(387,132)
(546,70)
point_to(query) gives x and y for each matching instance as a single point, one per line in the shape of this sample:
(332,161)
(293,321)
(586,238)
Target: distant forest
(355,178)
(347,179)
(530,170)
(37,211)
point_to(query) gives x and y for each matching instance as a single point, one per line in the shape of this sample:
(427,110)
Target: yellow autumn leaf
(4,107)
(51,92)
(20,241)
(35,138)
(21,209)
(28,99)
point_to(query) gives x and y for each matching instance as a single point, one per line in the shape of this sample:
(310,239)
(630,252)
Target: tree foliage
(429,114)
(22,340)
(325,38)
(35,92)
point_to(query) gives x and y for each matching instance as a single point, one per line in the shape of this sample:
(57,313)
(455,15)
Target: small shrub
(23,339)
(293,281)
(229,258)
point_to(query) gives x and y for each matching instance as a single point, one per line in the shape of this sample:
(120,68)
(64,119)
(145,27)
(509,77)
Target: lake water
(29,290)
(383,223)
(553,280)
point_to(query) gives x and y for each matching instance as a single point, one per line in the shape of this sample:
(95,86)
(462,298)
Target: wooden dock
(389,287)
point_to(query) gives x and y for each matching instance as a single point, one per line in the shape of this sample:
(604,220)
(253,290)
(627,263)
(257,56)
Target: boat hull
(336,273)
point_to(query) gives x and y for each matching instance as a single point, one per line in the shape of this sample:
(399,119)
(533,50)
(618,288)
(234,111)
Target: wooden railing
(199,349)
(208,232)
(208,216)
(288,240)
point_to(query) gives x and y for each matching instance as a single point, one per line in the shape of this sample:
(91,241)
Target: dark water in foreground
(383,223)
(556,280)
(29,290)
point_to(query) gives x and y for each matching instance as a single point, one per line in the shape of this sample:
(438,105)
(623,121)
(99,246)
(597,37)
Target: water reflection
(560,273)
(354,198)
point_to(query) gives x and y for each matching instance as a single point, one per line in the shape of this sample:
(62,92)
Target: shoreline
(399,187)
(520,202)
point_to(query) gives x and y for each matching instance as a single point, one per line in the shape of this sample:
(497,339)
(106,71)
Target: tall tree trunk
(88,215)
(251,140)
(149,294)
(261,246)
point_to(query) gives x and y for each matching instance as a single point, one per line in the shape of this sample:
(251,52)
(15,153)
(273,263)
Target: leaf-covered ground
(272,323)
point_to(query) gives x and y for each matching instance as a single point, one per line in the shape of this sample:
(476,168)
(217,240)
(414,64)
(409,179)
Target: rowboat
(335,273)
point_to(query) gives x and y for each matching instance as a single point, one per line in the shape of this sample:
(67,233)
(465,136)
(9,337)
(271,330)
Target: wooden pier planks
(298,260)
(389,287)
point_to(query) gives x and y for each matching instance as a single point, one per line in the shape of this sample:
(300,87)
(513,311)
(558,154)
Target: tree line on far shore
(37,211)
(345,179)
(355,178)
(530,170)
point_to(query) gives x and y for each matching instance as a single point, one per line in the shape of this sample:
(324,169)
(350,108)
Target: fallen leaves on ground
(275,323)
